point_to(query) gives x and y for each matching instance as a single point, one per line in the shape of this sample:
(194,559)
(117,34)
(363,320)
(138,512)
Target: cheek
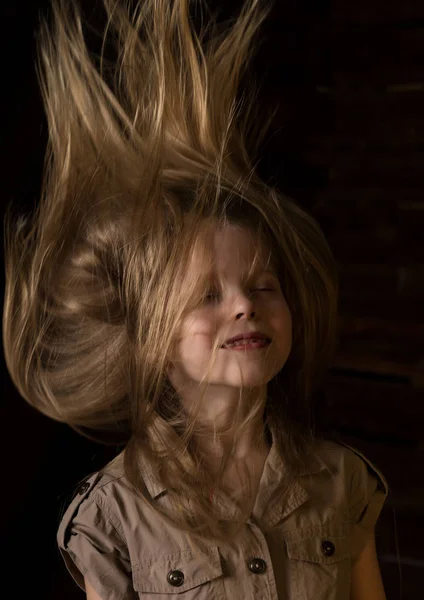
(197,334)
(194,352)
(282,315)
(202,321)
(287,318)
(282,324)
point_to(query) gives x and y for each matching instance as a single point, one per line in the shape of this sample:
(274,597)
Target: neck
(233,446)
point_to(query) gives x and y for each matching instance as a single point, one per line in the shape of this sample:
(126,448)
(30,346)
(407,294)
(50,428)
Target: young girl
(162,295)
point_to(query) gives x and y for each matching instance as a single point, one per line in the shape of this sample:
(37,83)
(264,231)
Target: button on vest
(83,488)
(257,566)
(328,548)
(175,578)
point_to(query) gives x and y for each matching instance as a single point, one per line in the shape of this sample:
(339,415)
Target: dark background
(348,144)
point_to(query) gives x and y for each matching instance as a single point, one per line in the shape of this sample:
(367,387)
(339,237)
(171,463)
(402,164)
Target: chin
(251,382)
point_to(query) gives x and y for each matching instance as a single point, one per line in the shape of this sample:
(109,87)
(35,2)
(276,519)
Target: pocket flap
(325,546)
(151,575)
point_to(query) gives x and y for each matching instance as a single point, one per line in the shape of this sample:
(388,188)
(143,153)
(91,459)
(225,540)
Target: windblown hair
(148,154)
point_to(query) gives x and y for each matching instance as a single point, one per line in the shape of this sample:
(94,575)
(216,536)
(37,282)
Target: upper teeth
(244,342)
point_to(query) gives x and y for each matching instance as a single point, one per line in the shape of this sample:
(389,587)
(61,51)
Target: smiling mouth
(247,345)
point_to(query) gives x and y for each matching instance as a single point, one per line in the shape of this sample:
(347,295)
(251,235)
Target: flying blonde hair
(148,155)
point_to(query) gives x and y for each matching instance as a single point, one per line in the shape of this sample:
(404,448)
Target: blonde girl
(154,248)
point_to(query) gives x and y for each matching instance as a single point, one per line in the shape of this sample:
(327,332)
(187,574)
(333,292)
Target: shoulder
(347,490)
(84,499)
(92,539)
(351,464)
(355,485)
(96,489)
(103,496)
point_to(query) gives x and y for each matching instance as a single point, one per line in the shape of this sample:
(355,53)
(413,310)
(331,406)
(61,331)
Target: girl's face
(257,305)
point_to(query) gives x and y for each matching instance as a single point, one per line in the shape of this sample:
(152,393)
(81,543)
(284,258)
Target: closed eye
(214,295)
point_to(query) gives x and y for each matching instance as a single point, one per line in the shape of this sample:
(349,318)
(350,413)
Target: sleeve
(368,490)
(91,545)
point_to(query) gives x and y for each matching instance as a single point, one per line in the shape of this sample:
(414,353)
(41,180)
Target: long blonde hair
(148,151)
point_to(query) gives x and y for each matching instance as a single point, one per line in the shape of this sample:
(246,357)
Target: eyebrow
(259,273)
(269,271)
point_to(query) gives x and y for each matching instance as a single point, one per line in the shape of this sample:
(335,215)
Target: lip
(257,335)
(247,345)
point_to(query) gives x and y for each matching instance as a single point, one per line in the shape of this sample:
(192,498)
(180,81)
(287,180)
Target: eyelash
(256,290)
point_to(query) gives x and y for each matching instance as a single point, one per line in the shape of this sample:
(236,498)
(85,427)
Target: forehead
(231,249)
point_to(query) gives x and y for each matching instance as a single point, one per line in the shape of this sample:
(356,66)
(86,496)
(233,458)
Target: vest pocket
(320,562)
(179,572)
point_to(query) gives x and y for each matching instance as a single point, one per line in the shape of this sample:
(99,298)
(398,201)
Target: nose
(239,315)
(244,307)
